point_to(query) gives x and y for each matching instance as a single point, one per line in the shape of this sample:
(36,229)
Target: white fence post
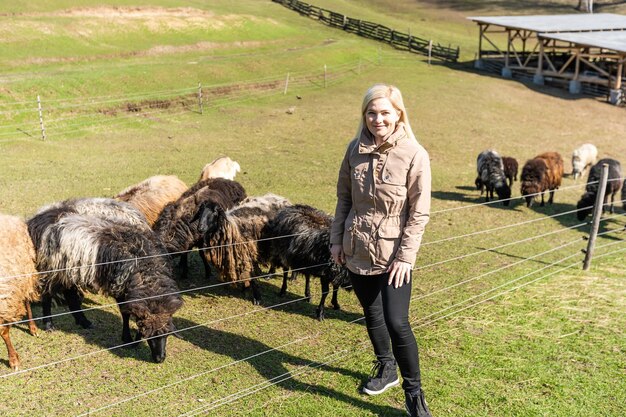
(43,130)
(200,104)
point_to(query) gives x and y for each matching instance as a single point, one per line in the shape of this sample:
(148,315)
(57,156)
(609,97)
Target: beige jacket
(383,202)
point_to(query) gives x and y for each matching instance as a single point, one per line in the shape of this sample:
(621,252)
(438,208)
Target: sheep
(299,238)
(177,226)
(19,281)
(102,255)
(232,238)
(510,169)
(614,184)
(624,195)
(540,174)
(100,207)
(583,157)
(153,194)
(491,176)
(223,167)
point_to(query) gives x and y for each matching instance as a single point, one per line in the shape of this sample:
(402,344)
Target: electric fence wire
(348,352)
(255,277)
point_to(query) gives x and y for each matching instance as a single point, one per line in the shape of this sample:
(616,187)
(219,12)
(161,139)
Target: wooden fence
(375,31)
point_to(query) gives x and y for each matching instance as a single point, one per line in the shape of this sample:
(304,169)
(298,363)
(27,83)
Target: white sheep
(222,167)
(583,157)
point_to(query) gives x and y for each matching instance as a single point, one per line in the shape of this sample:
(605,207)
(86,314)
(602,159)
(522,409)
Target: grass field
(509,331)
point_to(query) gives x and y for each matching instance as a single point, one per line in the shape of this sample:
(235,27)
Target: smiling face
(381,119)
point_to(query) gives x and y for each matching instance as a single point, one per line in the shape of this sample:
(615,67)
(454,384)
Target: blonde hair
(394,95)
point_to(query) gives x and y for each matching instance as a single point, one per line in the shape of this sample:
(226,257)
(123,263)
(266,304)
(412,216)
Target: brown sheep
(18,280)
(510,169)
(153,194)
(540,174)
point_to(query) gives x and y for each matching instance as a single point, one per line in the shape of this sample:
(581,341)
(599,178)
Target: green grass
(554,347)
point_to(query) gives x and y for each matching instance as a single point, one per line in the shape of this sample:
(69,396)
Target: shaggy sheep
(583,157)
(614,184)
(299,238)
(18,280)
(99,207)
(232,239)
(223,167)
(491,176)
(510,169)
(113,258)
(540,174)
(153,194)
(177,226)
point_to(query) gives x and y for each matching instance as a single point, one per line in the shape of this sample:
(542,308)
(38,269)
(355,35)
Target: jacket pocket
(389,237)
(348,234)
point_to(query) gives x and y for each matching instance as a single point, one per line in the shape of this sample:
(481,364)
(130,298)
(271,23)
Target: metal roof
(558,23)
(615,41)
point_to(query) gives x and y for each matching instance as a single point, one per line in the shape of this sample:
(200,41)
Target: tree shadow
(272,364)
(516,7)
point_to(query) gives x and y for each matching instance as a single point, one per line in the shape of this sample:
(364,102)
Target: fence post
(430,50)
(286,84)
(324,75)
(597,213)
(200,104)
(43,130)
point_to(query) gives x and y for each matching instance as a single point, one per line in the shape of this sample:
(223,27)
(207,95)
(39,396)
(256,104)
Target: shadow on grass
(472,196)
(516,7)
(272,365)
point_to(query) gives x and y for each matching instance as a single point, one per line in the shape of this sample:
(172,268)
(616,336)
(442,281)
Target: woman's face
(381,118)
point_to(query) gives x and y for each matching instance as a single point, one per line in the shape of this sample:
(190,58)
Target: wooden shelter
(574,48)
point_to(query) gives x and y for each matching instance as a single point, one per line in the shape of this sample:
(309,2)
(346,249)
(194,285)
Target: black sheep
(105,255)
(298,238)
(491,176)
(177,225)
(614,184)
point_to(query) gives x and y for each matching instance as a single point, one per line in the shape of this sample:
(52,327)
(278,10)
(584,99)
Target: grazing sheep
(299,238)
(232,239)
(583,157)
(107,208)
(540,174)
(18,280)
(177,226)
(614,184)
(153,194)
(222,167)
(491,176)
(510,169)
(117,259)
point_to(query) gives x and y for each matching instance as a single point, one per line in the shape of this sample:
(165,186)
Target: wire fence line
(251,312)
(232,397)
(271,274)
(343,354)
(55,113)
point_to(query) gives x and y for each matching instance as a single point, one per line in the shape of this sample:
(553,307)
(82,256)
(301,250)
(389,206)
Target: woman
(383,205)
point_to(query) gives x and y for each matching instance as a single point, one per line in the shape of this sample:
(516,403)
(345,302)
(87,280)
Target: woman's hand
(336,251)
(399,273)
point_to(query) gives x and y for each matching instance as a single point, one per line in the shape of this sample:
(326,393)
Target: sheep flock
(123,247)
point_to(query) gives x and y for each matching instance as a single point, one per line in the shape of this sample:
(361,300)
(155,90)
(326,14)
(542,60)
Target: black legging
(386,312)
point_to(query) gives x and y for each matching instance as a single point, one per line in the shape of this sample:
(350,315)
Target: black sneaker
(384,376)
(416,404)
